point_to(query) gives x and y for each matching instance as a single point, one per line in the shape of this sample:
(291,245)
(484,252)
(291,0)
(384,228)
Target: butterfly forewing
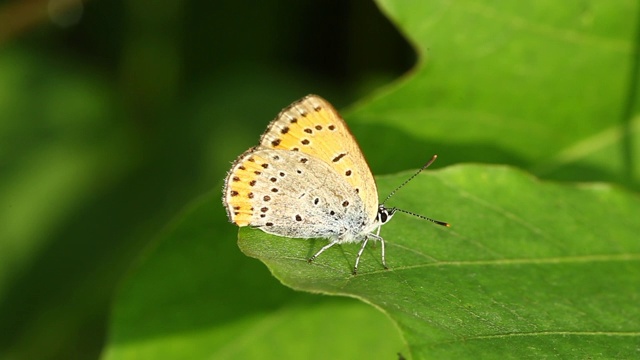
(312,126)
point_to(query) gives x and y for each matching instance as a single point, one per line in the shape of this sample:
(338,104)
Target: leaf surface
(528,268)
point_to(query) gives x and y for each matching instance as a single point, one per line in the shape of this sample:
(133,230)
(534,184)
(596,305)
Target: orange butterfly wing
(312,126)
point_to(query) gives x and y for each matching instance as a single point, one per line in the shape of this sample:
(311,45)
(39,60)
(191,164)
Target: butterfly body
(307,179)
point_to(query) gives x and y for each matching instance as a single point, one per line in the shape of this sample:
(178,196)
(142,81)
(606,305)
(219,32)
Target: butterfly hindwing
(285,193)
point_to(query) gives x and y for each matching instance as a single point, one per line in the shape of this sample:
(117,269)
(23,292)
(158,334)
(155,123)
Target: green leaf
(195,296)
(528,269)
(549,86)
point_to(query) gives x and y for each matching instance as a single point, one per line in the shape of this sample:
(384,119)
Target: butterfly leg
(364,244)
(378,237)
(384,262)
(310,260)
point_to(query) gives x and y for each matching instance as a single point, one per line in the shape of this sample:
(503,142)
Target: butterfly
(309,179)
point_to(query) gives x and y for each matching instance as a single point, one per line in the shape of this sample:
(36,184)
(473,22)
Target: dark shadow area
(64,293)
(389,150)
(630,108)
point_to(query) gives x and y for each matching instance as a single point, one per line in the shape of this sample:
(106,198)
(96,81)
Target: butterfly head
(384,214)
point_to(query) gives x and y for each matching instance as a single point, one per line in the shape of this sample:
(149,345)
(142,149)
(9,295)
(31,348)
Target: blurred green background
(115,114)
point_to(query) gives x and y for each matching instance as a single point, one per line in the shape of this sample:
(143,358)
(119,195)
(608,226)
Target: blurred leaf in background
(114,114)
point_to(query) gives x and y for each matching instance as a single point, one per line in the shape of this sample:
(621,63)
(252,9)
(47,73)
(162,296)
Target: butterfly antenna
(423,217)
(411,178)
(405,183)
